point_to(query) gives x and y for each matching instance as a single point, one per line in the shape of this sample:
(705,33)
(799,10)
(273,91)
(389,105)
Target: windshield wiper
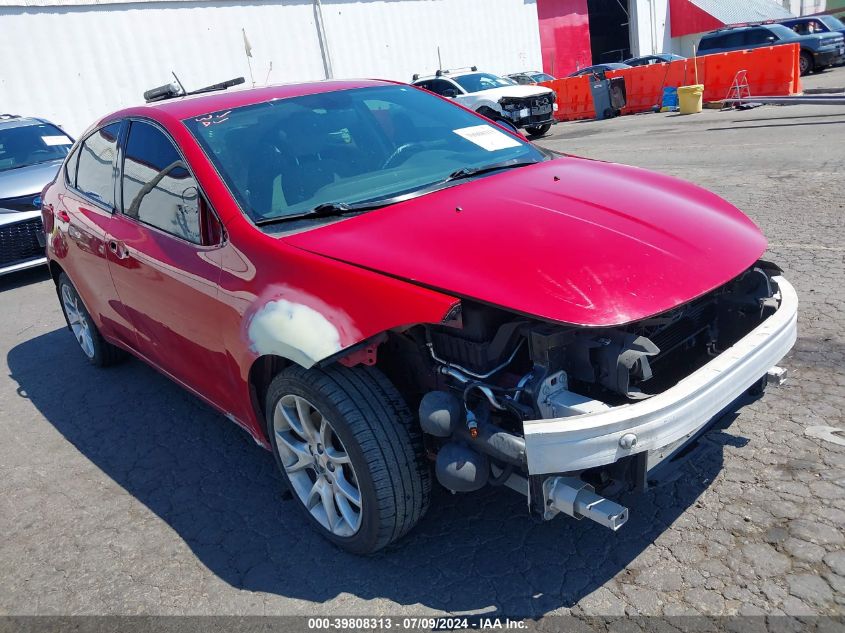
(469,172)
(327,209)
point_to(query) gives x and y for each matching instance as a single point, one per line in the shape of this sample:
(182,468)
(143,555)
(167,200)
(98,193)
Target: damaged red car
(386,289)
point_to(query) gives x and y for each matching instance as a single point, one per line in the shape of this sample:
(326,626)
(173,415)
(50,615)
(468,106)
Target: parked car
(818,51)
(530,108)
(815,24)
(31,151)
(366,278)
(648,60)
(599,68)
(530,77)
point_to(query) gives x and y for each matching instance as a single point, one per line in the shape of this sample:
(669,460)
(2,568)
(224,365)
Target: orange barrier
(771,71)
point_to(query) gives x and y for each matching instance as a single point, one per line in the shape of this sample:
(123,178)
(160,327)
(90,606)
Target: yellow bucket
(689,98)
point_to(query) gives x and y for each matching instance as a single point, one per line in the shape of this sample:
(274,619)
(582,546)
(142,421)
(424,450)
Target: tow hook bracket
(578,499)
(776,376)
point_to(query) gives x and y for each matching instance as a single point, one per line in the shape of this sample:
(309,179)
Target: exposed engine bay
(479,376)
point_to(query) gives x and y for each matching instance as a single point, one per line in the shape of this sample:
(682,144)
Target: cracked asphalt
(122,494)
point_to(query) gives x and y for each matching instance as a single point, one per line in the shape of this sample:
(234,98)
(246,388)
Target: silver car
(31,152)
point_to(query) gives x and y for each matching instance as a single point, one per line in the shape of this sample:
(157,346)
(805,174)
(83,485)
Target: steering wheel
(397,153)
(38,152)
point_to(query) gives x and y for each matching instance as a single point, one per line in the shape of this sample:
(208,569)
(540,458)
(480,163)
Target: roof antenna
(181,87)
(439,61)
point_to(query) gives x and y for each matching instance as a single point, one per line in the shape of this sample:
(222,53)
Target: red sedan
(384,288)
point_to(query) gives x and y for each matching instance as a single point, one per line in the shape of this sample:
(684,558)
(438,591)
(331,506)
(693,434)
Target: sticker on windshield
(56,140)
(487,136)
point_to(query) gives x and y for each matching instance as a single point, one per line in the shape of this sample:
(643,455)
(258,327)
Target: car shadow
(14,280)
(220,492)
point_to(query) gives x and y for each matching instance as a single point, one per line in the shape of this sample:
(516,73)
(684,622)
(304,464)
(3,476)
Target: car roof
(10,121)
(455,73)
(195,105)
(743,27)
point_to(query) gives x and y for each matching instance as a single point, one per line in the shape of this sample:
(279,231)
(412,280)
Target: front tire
(350,454)
(538,130)
(97,350)
(805,63)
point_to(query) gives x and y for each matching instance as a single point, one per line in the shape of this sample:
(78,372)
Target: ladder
(738,91)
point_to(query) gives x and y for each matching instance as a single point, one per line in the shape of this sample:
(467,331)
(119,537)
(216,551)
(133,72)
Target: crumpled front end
(569,416)
(531,111)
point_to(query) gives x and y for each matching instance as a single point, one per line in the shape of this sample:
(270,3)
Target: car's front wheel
(348,449)
(805,63)
(97,350)
(538,130)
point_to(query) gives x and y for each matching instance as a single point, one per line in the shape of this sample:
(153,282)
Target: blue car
(808,25)
(818,50)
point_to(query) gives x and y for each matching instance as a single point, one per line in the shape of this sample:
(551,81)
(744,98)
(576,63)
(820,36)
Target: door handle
(118,249)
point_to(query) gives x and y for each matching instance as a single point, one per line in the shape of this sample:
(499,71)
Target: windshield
(24,145)
(833,23)
(538,77)
(481,81)
(288,156)
(783,32)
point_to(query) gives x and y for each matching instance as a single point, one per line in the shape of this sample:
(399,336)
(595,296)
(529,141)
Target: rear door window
(95,173)
(754,37)
(733,40)
(709,43)
(442,87)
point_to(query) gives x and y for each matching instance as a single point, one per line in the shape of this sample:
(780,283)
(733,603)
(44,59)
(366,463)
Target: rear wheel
(97,350)
(350,454)
(538,130)
(805,63)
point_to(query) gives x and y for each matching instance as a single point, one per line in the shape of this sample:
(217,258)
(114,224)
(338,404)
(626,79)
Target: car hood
(569,240)
(23,181)
(510,91)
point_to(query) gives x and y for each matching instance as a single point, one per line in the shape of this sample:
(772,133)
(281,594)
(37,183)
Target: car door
(83,215)
(164,260)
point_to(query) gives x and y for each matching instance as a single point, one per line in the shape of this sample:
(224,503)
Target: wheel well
(261,374)
(55,270)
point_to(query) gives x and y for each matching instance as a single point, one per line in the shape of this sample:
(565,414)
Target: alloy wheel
(317,465)
(78,321)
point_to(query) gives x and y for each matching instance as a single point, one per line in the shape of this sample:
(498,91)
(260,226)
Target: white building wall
(649,27)
(804,7)
(72,63)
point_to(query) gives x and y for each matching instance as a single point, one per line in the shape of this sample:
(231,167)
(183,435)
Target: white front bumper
(586,441)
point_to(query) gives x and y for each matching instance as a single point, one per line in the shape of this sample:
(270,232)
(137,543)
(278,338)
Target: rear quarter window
(70,167)
(708,43)
(95,169)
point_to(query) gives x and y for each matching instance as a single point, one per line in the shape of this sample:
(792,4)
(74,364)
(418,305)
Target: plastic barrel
(689,98)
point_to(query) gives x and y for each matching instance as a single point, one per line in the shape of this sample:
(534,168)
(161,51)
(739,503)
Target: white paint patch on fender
(293,330)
